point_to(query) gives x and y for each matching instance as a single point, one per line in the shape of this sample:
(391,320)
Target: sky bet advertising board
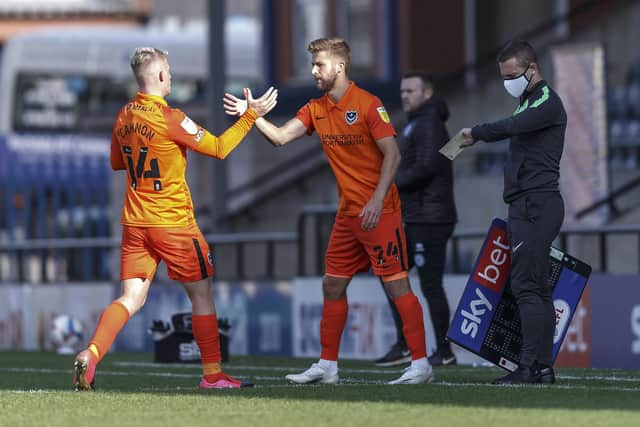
(487,321)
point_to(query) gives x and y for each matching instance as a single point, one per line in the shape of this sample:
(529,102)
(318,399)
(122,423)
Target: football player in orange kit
(150,141)
(359,141)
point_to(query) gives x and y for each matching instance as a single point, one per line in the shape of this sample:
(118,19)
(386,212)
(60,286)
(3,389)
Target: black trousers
(427,251)
(534,222)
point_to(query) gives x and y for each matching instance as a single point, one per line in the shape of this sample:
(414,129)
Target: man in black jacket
(536,208)
(425,183)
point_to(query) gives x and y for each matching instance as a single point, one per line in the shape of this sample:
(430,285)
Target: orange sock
(412,324)
(113,319)
(334,317)
(205,332)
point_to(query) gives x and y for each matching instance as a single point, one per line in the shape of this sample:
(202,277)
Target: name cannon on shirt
(139,107)
(135,127)
(333,140)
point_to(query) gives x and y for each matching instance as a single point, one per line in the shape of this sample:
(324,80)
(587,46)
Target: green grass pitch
(132,391)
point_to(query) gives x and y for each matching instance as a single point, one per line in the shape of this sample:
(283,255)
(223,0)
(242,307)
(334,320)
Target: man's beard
(326,85)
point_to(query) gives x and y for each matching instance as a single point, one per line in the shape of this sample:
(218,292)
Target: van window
(78,103)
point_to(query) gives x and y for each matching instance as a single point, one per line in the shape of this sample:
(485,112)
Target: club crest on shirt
(383,114)
(351,116)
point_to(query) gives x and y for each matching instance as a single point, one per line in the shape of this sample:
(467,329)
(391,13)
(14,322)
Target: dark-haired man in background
(536,209)
(425,183)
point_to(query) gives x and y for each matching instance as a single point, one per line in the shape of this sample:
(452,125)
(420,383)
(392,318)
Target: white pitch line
(458,368)
(392,371)
(540,386)
(102,372)
(33,391)
(283,369)
(344,381)
(162,374)
(287,385)
(437,383)
(195,366)
(163,389)
(358,371)
(598,378)
(254,368)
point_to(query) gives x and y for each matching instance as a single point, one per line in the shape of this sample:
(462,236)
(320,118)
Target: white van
(76,79)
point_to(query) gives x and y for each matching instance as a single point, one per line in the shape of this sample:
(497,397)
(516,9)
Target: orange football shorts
(352,250)
(183,249)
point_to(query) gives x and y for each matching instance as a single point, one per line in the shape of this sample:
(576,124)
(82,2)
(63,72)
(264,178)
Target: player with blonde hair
(150,141)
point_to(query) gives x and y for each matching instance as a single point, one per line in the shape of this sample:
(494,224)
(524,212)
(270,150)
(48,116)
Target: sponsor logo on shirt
(383,114)
(189,126)
(351,116)
(199,135)
(333,140)
(132,106)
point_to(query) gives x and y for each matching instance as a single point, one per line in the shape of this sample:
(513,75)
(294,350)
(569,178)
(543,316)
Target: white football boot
(414,375)
(314,375)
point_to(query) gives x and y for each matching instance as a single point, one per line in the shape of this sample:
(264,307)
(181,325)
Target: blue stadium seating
(633,99)
(623,111)
(617,102)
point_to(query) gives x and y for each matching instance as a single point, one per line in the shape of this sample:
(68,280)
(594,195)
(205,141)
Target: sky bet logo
(473,318)
(483,291)
(493,268)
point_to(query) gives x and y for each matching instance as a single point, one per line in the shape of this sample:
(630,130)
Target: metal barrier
(312,242)
(240,241)
(465,243)
(61,260)
(603,248)
(52,260)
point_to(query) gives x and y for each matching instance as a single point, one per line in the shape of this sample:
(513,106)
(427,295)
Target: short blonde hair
(336,46)
(142,57)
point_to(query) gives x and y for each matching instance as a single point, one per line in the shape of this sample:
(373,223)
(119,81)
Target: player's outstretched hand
(235,106)
(265,103)
(467,138)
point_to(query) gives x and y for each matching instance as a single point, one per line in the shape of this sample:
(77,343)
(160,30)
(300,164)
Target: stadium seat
(633,100)
(617,102)
(633,74)
(624,140)
(616,132)
(632,132)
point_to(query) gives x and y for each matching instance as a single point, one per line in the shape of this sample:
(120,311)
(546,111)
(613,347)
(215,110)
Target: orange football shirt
(348,131)
(150,140)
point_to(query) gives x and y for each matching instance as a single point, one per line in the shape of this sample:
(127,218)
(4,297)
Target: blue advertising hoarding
(615,321)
